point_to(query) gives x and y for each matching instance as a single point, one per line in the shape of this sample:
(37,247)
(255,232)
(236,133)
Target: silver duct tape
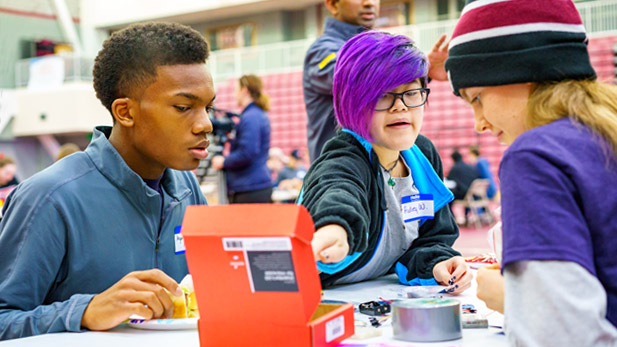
(427,320)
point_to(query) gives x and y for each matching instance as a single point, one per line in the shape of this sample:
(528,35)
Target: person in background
(289,179)
(276,162)
(291,176)
(369,190)
(349,18)
(247,175)
(8,181)
(8,168)
(66,150)
(90,240)
(524,68)
(484,170)
(462,174)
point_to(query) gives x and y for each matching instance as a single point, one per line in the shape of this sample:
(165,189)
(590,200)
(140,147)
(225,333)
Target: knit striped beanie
(498,42)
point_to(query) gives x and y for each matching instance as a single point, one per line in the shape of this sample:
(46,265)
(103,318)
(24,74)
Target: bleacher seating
(601,55)
(448,121)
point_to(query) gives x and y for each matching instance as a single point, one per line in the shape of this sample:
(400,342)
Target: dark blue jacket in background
(463,174)
(317,82)
(245,165)
(484,171)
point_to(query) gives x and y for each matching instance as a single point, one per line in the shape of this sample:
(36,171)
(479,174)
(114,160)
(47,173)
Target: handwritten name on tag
(417,206)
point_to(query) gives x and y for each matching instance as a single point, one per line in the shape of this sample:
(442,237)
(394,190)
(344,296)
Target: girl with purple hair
(376,193)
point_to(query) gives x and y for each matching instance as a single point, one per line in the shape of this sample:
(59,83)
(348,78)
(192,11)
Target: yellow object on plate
(180,310)
(191,301)
(185,305)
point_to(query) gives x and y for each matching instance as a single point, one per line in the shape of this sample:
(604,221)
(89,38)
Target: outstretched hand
(330,243)
(141,293)
(454,273)
(437,58)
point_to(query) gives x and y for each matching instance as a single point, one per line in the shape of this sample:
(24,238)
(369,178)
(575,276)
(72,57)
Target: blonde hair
(255,87)
(66,150)
(587,101)
(6,160)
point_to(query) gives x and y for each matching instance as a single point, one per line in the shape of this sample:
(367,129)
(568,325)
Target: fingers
(460,267)
(445,48)
(151,299)
(328,250)
(444,271)
(439,42)
(490,288)
(459,288)
(462,283)
(139,309)
(441,273)
(335,253)
(319,244)
(149,288)
(158,277)
(453,273)
(142,293)
(330,243)
(113,306)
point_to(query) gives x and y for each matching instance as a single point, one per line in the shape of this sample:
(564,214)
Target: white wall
(424,11)
(268,26)
(116,13)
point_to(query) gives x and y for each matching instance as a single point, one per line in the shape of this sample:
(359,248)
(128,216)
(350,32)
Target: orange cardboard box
(255,278)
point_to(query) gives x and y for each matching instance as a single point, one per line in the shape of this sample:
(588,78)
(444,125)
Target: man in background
(461,173)
(484,170)
(350,17)
(292,174)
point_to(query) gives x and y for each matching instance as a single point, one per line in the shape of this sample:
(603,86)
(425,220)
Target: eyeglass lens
(411,98)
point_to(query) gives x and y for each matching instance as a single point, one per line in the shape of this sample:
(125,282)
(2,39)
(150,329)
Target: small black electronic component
(374,308)
(374,322)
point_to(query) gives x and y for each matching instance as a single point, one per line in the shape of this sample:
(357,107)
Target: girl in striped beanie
(524,68)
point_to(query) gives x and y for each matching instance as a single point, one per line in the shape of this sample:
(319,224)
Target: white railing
(289,56)
(425,35)
(599,17)
(264,59)
(75,69)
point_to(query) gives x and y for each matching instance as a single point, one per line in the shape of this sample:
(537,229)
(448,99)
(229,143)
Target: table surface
(124,335)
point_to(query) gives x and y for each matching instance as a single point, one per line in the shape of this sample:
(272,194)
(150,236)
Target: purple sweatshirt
(559,201)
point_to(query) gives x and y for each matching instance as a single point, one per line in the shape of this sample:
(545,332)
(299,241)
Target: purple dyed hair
(369,65)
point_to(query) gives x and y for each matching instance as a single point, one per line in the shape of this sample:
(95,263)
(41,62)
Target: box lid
(252,262)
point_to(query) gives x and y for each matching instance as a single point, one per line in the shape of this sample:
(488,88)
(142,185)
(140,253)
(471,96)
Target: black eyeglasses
(411,98)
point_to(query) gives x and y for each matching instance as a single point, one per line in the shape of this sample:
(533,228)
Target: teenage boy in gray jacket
(90,241)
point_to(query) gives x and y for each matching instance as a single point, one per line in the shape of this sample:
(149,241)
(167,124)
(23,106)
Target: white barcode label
(257,243)
(335,328)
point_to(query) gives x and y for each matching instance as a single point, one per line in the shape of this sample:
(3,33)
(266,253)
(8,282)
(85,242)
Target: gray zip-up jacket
(317,82)
(78,227)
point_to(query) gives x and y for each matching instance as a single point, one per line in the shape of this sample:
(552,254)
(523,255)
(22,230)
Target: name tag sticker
(417,206)
(179,240)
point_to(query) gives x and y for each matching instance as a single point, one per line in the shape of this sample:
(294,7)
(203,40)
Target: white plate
(164,324)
